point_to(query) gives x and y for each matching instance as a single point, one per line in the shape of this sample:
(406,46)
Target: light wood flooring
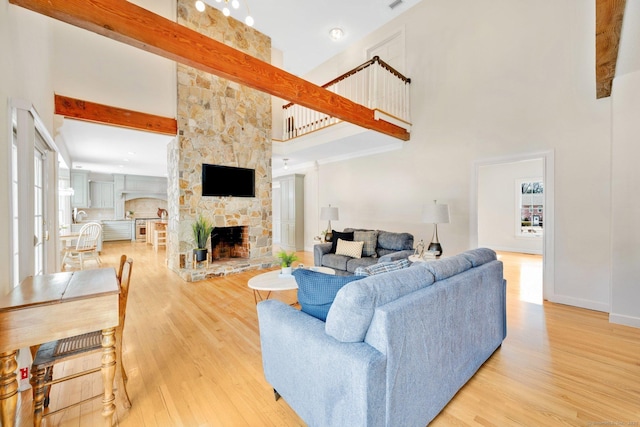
(192,354)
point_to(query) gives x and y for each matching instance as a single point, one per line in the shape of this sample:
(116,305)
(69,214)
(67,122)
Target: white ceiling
(298,28)
(110,149)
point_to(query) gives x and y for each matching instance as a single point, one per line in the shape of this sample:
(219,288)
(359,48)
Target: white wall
(488,82)
(94,68)
(625,203)
(498,216)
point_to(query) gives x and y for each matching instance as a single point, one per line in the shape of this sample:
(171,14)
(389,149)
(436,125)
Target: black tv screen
(223,181)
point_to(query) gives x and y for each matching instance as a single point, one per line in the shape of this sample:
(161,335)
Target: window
(529,207)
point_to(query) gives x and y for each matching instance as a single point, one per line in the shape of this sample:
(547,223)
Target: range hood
(130,195)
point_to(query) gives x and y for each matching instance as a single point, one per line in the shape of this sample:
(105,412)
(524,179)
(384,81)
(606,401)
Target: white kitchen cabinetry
(292,212)
(101,195)
(116,230)
(80,185)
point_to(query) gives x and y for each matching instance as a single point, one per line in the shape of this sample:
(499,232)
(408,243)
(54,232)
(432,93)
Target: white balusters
(372,85)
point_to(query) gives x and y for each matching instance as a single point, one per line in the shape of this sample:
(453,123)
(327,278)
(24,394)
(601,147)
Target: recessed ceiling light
(200,6)
(336,34)
(131,153)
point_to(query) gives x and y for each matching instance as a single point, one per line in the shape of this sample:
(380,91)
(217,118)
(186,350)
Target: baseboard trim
(580,303)
(621,319)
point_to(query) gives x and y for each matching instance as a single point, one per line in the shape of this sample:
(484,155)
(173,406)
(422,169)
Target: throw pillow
(382,267)
(338,235)
(316,291)
(350,249)
(370,239)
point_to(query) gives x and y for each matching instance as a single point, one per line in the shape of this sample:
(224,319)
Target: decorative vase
(200,254)
(286,271)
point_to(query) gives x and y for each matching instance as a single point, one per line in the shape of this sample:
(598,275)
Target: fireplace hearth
(229,242)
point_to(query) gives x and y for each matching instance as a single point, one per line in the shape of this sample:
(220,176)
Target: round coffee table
(275,281)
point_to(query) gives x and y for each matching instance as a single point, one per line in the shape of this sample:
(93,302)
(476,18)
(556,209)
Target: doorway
(32,201)
(540,170)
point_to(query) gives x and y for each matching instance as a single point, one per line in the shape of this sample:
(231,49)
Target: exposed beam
(98,113)
(609,17)
(125,22)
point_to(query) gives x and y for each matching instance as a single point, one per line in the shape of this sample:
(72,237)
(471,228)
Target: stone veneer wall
(224,123)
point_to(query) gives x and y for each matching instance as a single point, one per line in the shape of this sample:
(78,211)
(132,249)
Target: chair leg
(37,382)
(47,389)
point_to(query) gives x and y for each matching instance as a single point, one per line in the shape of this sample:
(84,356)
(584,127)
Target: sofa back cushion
(447,267)
(352,310)
(389,242)
(316,291)
(480,256)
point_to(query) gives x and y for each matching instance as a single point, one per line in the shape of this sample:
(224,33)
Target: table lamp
(435,214)
(329,213)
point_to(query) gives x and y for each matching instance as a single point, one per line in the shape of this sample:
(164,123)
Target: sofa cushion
(480,256)
(370,239)
(382,267)
(447,267)
(350,249)
(338,235)
(337,262)
(394,241)
(316,291)
(352,310)
(354,263)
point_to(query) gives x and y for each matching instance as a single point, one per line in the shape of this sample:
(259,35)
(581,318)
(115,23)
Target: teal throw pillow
(316,291)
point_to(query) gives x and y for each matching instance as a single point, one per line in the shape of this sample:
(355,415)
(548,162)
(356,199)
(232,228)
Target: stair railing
(374,84)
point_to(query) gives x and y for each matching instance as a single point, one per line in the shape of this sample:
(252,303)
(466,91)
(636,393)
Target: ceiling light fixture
(336,34)
(226,11)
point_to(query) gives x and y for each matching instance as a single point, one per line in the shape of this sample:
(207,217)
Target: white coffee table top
(273,281)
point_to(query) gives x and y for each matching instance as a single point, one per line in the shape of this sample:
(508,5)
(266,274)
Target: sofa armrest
(395,256)
(318,251)
(326,382)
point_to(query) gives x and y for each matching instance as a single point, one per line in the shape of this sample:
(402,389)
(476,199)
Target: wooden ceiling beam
(609,17)
(128,23)
(98,113)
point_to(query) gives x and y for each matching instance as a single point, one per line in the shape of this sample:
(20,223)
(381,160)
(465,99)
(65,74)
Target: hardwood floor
(192,355)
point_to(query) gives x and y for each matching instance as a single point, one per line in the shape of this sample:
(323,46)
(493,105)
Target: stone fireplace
(229,242)
(222,123)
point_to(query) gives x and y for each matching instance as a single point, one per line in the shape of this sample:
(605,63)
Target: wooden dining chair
(86,247)
(54,352)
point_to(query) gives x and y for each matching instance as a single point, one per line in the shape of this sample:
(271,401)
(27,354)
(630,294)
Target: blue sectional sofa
(395,347)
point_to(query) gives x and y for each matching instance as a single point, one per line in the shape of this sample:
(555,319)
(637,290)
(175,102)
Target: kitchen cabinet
(117,230)
(80,185)
(292,212)
(101,195)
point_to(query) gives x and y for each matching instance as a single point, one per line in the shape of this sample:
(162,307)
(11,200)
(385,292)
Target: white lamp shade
(329,213)
(435,214)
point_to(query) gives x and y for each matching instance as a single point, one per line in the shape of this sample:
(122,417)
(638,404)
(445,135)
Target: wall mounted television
(224,181)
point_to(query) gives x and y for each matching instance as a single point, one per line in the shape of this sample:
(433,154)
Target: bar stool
(159,235)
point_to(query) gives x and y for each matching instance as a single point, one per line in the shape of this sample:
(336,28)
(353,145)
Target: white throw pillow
(350,249)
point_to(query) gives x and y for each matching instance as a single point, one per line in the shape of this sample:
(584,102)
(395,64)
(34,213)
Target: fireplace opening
(229,242)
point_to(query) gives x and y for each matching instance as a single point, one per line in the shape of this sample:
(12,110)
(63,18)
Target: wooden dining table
(55,306)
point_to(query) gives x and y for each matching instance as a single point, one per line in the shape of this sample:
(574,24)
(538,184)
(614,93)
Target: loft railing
(374,84)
